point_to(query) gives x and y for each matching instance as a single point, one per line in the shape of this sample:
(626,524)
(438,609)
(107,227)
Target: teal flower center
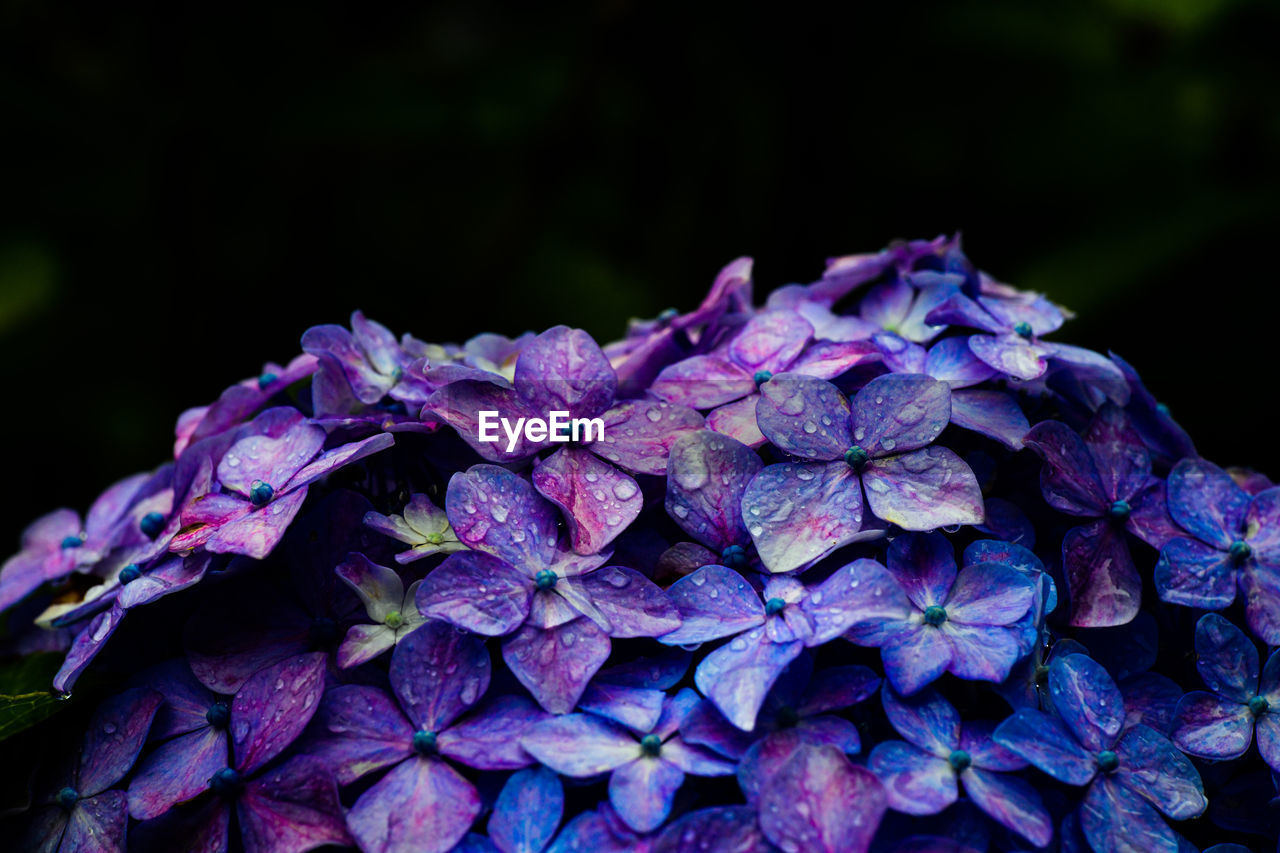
(151,524)
(934,615)
(226,782)
(129,574)
(1108,761)
(261,493)
(774,605)
(1023,329)
(545,579)
(266,379)
(73,542)
(1259,705)
(959,760)
(762,376)
(1240,551)
(1120,510)
(218,715)
(856,458)
(735,557)
(651,745)
(67,798)
(424,743)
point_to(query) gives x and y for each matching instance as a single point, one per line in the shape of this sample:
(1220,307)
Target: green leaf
(26,696)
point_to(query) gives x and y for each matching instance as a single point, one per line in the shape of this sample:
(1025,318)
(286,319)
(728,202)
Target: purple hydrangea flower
(881,442)
(1232,541)
(1220,723)
(707,476)
(359,367)
(1132,776)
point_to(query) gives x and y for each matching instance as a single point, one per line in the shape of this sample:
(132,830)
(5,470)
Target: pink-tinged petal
(829,359)
(915,657)
(1012,354)
(1105,587)
(273,707)
(256,533)
(1119,455)
(86,646)
(1113,818)
(713,602)
(203,516)
(737,420)
(925,567)
(340,352)
(951,361)
(703,382)
(1153,768)
(1206,502)
(363,643)
(994,414)
(338,457)
(563,369)
(732,829)
(1046,742)
(638,435)
(915,782)
(1069,479)
(804,416)
(798,512)
(1260,586)
(1262,522)
(437,673)
(115,735)
(737,676)
(228,645)
(707,476)
(580,745)
(1011,802)
(1209,726)
(527,811)
(421,806)
(489,737)
(1087,700)
(1226,659)
(633,605)
(642,792)
(97,825)
(923,490)
(926,719)
(292,807)
(982,652)
(598,501)
(495,511)
(1033,309)
(989,594)
(1194,574)
(770,341)
(358,730)
(477,592)
(900,412)
(176,771)
(555,664)
(460,403)
(1150,520)
(820,802)
(267,459)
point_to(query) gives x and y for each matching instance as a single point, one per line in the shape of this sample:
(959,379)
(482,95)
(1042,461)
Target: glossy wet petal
(1209,726)
(1206,502)
(899,412)
(555,664)
(738,675)
(707,476)
(437,672)
(1046,742)
(798,512)
(1011,802)
(713,602)
(292,807)
(273,707)
(597,500)
(915,782)
(477,592)
(421,806)
(805,416)
(923,490)
(820,802)
(1087,700)
(1153,768)
(1194,574)
(1106,589)
(500,513)
(527,811)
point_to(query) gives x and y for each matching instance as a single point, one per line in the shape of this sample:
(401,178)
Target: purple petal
(633,605)
(737,420)
(358,730)
(900,412)
(1194,574)
(1011,802)
(176,771)
(580,745)
(878,608)
(923,490)
(960,310)
(96,825)
(1226,658)
(186,700)
(598,500)
(1012,354)
(489,737)
(422,805)
(899,354)
(114,737)
(363,643)
(292,807)
(804,416)
(953,362)
(989,594)
(643,790)
(527,812)
(915,782)
(1260,587)
(820,802)
(732,829)
(1121,458)
(838,687)
(1268,728)
(829,359)
(639,435)
(982,652)
(563,369)
(169,577)
(713,602)
(976,738)
(836,731)
(438,672)
(887,304)
(256,533)
(770,341)
(703,382)
(1087,700)
(338,457)
(201,828)
(460,403)
(86,646)
(495,511)
(737,676)
(1150,520)
(707,476)
(994,414)
(268,459)
(915,657)
(1105,587)
(1206,502)
(926,719)
(637,708)
(1211,727)
(1150,699)
(1047,743)
(1154,769)
(477,592)
(798,512)
(1264,517)
(925,566)
(1113,818)
(273,707)
(555,664)
(1069,478)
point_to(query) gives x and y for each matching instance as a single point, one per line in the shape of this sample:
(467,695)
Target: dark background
(184,191)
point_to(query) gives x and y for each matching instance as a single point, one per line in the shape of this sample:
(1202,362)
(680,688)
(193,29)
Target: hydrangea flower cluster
(873,566)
